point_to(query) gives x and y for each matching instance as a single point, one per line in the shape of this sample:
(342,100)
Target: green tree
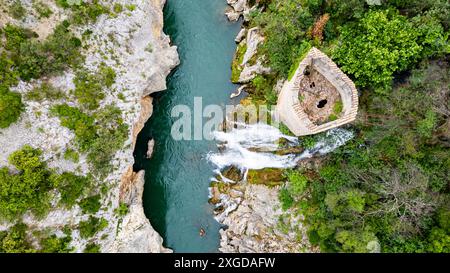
(10,107)
(373,49)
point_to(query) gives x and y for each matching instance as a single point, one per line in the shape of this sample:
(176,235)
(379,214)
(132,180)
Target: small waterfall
(254,147)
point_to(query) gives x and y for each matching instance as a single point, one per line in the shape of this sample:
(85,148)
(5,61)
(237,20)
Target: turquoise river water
(178,175)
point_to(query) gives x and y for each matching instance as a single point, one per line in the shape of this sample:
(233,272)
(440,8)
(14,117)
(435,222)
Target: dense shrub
(111,136)
(34,59)
(8,76)
(28,190)
(10,107)
(55,244)
(92,248)
(71,155)
(14,240)
(91,226)
(45,92)
(388,43)
(387,190)
(43,10)
(100,135)
(71,187)
(80,123)
(88,90)
(17,10)
(285,25)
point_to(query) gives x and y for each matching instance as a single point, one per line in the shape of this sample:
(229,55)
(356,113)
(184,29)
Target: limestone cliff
(131,42)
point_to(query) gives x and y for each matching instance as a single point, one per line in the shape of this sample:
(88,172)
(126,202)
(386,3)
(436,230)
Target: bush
(42,9)
(16,10)
(110,137)
(28,190)
(90,227)
(87,12)
(34,59)
(79,122)
(285,25)
(10,107)
(45,92)
(386,41)
(72,187)
(8,76)
(286,199)
(92,248)
(15,241)
(118,8)
(122,210)
(88,90)
(54,244)
(71,155)
(297,182)
(91,204)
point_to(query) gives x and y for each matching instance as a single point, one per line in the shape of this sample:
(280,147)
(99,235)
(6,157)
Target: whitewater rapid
(254,147)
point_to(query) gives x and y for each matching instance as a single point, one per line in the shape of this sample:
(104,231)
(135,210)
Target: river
(178,175)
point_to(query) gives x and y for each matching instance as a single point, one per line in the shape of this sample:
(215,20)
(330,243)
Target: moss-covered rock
(269,177)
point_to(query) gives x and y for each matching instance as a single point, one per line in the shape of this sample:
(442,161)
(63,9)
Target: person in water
(202,232)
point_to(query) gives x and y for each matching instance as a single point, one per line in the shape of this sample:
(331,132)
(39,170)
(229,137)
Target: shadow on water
(178,175)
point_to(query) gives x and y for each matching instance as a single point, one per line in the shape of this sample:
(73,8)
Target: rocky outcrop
(238,8)
(255,222)
(252,64)
(136,235)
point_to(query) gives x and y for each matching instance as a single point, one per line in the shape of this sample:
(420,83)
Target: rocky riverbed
(134,45)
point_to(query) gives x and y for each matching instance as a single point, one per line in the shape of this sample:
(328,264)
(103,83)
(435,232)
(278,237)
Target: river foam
(254,147)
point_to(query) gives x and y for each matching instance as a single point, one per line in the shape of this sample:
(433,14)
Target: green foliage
(34,59)
(118,8)
(385,191)
(54,244)
(122,210)
(236,68)
(80,123)
(91,204)
(297,182)
(72,187)
(92,248)
(43,10)
(28,190)
(71,155)
(286,199)
(131,7)
(107,75)
(426,126)
(16,10)
(8,76)
(15,240)
(10,107)
(43,92)
(99,141)
(91,226)
(303,51)
(388,43)
(263,89)
(88,90)
(111,136)
(86,12)
(89,87)
(285,25)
